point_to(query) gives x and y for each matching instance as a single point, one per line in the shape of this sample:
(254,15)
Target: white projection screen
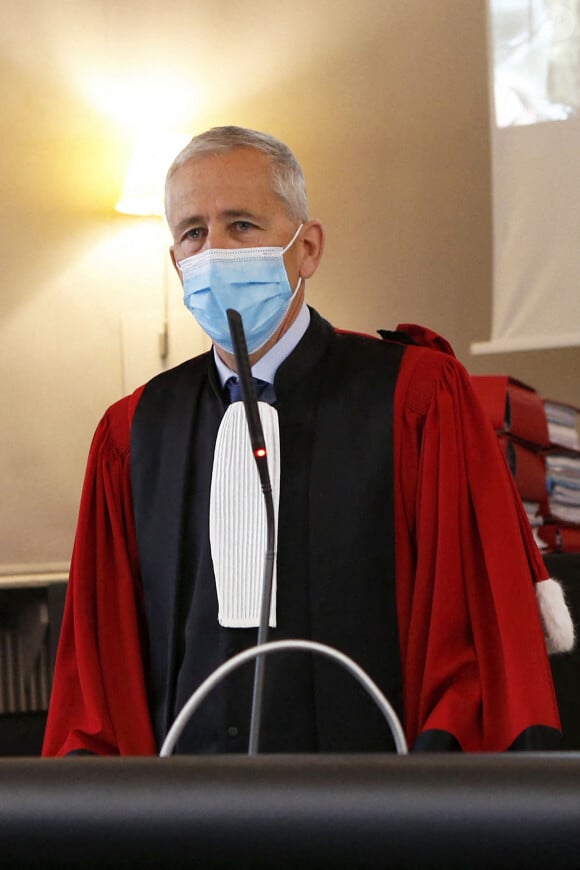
(535,55)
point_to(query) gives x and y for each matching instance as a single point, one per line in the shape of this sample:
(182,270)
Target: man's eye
(194,233)
(244,226)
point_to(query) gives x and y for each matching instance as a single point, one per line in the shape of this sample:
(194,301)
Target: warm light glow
(142,102)
(144,182)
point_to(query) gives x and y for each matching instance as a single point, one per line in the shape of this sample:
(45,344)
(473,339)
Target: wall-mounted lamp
(144,182)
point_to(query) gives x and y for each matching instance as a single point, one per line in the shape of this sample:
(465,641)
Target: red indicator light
(260,452)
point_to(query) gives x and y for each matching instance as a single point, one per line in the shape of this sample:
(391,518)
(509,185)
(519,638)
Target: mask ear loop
(292,240)
(287,248)
(297,288)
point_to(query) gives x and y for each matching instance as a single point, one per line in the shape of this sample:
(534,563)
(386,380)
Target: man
(400,540)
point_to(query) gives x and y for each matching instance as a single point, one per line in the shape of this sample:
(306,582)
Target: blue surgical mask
(251,280)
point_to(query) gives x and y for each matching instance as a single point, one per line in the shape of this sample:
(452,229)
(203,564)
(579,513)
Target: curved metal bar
(279,646)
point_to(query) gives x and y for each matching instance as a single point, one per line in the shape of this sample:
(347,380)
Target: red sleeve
(472,646)
(98,700)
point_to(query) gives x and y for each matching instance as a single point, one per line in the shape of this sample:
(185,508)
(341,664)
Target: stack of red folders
(540,440)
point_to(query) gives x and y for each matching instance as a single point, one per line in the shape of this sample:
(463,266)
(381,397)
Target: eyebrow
(238,213)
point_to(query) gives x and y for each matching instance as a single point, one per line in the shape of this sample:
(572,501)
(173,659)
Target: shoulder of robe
(115,425)
(419,336)
(118,419)
(428,362)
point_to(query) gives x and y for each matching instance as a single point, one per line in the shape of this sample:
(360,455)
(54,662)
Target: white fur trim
(556,618)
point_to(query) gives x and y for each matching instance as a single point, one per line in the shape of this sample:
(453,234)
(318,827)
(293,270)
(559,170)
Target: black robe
(335,560)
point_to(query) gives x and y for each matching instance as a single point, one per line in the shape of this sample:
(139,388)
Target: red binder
(527,467)
(513,407)
(558,537)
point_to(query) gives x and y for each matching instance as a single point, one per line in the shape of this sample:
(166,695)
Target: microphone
(259,451)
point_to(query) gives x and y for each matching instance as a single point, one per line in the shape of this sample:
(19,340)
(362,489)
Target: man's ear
(312,238)
(175,266)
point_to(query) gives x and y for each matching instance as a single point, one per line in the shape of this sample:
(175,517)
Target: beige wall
(385,104)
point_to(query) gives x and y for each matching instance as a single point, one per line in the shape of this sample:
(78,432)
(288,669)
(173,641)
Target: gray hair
(288,178)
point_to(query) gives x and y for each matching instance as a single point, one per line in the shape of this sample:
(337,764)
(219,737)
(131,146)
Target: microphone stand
(259,451)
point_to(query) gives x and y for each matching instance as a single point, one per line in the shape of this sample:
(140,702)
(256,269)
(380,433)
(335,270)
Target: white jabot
(237,517)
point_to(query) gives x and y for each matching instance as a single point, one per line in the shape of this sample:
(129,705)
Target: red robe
(473,655)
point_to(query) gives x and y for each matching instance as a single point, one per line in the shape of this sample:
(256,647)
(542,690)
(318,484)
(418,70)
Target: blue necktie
(264,390)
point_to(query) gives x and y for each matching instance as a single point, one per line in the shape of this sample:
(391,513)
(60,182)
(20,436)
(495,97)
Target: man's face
(228,201)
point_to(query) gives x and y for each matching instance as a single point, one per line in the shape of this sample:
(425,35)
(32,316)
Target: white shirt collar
(268,365)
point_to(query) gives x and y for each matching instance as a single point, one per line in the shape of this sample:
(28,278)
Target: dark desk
(448,811)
